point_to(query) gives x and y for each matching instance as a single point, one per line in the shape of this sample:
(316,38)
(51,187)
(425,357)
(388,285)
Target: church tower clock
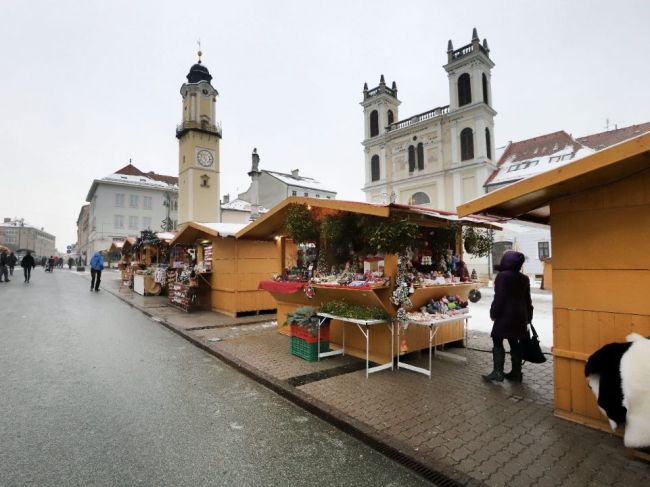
(198,143)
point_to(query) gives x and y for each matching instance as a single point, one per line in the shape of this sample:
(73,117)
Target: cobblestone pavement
(455,423)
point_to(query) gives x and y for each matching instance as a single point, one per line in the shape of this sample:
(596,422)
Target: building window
(374,168)
(466,144)
(133,222)
(119,221)
(92,225)
(146,202)
(294,193)
(134,200)
(119,200)
(419,198)
(464,90)
(306,194)
(205,181)
(411,158)
(543,250)
(488,143)
(329,197)
(485,90)
(391,117)
(146,222)
(420,156)
(374,123)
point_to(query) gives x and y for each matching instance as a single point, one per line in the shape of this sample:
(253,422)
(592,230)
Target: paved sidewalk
(454,423)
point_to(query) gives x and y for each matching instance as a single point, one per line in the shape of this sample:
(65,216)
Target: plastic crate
(307,351)
(303,333)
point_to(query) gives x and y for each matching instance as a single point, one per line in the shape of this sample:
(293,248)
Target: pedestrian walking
(70,262)
(11,262)
(4,268)
(511,311)
(96,267)
(50,264)
(27,263)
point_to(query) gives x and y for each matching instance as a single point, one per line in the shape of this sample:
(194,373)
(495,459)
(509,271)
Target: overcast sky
(86,85)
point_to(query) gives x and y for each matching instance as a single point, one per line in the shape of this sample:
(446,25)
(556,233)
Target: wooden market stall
(294,291)
(598,208)
(234,268)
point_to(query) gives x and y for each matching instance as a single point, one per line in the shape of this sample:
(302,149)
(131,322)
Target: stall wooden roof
(194,231)
(529,199)
(128,243)
(272,223)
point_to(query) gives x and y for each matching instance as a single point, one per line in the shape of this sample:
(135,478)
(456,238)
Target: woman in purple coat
(511,311)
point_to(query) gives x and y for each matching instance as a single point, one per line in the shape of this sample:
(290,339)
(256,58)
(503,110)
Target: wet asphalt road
(92,392)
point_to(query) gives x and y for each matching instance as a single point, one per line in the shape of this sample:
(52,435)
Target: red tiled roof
(541,146)
(611,137)
(131,170)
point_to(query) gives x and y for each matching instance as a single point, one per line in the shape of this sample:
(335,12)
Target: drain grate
(301,380)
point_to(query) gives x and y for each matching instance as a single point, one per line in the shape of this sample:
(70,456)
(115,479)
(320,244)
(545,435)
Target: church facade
(438,158)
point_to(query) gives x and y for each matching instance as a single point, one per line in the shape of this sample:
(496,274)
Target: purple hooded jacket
(512,308)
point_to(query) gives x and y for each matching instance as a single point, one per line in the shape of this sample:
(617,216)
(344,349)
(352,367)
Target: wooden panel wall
(601,278)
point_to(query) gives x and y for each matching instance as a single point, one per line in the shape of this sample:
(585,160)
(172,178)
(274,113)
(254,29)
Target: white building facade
(20,236)
(438,158)
(127,202)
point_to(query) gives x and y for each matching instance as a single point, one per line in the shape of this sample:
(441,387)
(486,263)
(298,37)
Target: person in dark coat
(511,311)
(11,262)
(27,263)
(4,269)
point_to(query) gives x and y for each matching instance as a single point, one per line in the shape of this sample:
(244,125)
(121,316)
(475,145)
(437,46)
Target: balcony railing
(436,112)
(380,89)
(204,126)
(465,50)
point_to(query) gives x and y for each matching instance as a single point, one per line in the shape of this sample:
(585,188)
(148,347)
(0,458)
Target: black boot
(499,358)
(515,375)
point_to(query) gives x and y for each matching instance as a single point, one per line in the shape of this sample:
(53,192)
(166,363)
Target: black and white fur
(619,377)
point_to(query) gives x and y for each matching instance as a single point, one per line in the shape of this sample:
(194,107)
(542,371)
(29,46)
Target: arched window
(391,117)
(488,143)
(374,168)
(411,158)
(419,198)
(466,144)
(374,123)
(485,90)
(420,156)
(464,90)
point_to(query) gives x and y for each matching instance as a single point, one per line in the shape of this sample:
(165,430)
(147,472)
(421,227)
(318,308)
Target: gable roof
(131,170)
(131,175)
(300,181)
(610,137)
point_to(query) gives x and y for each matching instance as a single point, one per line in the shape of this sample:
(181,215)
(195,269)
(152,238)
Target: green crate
(307,351)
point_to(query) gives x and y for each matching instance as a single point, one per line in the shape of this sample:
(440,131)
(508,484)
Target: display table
(364,328)
(434,325)
(145,285)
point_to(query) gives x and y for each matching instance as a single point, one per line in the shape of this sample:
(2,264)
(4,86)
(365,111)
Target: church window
(464,90)
(411,158)
(419,198)
(374,168)
(466,144)
(488,143)
(391,117)
(374,123)
(485,90)
(420,156)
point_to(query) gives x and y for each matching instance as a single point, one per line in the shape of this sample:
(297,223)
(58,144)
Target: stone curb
(393,449)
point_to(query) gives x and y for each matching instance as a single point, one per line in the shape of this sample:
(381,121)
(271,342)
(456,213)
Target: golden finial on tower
(199,53)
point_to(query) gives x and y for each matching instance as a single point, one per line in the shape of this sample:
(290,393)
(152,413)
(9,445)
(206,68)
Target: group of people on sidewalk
(8,262)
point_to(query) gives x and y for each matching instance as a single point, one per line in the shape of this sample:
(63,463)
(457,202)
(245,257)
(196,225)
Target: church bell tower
(198,143)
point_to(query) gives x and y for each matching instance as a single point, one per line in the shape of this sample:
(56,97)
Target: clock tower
(198,143)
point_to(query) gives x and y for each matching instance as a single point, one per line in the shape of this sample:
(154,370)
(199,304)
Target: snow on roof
(137,180)
(167,236)
(224,229)
(606,139)
(240,205)
(301,181)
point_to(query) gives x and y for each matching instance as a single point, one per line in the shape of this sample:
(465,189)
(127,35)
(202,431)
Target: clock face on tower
(204,158)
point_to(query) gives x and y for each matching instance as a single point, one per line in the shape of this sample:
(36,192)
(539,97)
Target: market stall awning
(529,199)
(272,223)
(194,231)
(116,246)
(166,236)
(127,244)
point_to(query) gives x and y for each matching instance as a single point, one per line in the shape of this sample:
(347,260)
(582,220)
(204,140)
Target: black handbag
(532,351)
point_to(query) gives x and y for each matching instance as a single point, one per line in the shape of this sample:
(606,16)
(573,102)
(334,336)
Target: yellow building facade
(198,142)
